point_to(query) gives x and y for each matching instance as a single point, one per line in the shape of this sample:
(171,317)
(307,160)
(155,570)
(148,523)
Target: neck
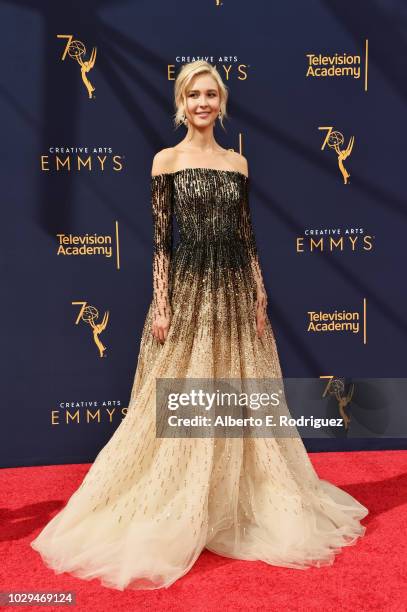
(200,139)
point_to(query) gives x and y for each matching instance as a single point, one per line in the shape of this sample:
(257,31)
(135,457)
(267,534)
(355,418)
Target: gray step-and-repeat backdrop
(317,105)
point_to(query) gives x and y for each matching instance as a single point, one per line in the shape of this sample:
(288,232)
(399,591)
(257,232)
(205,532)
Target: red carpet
(368,576)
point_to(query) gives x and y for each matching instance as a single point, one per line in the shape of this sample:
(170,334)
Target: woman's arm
(162,209)
(250,242)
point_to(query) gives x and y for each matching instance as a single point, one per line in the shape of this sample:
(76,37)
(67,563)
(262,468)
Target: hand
(261,311)
(161,324)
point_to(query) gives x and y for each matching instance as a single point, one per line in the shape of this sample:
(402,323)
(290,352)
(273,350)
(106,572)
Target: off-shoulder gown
(148,506)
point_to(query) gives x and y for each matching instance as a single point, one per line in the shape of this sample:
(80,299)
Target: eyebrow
(197,90)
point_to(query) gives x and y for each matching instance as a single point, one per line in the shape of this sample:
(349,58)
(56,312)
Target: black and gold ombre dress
(148,506)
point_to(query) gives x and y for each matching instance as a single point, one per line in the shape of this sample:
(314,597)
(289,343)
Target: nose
(203,101)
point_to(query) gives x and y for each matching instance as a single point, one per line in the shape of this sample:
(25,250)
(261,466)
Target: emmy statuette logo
(77,51)
(336,387)
(90,314)
(335,140)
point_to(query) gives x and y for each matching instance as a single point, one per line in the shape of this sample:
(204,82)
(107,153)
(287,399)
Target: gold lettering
(102,161)
(241,70)
(87,162)
(116,161)
(171,72)
(332,242)
(72,417)
(319,243)
(63,164)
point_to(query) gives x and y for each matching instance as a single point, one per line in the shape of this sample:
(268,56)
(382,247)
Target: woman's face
(203,100)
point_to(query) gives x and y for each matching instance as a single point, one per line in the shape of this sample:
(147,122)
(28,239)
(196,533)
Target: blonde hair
(185,76)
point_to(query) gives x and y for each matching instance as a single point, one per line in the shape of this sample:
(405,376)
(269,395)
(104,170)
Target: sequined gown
(148,506)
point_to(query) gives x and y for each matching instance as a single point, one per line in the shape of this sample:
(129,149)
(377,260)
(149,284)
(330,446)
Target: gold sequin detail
(161,500)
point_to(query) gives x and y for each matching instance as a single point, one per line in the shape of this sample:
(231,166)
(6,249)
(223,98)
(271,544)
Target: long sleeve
(248,237)
(162,208)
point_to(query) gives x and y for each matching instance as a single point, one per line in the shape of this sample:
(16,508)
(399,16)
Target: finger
(260,326)
(157,333)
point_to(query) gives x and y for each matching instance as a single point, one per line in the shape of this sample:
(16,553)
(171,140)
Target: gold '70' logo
(89,314)
(77,51)
(336,387)
(335,140)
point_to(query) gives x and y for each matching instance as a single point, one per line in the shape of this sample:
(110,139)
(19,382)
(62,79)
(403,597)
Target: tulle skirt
(148,506)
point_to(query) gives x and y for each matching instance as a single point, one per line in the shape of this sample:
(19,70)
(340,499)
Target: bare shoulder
(163,161)
(239,162)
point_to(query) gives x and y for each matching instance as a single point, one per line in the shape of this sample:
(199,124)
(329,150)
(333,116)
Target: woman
(148,506)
